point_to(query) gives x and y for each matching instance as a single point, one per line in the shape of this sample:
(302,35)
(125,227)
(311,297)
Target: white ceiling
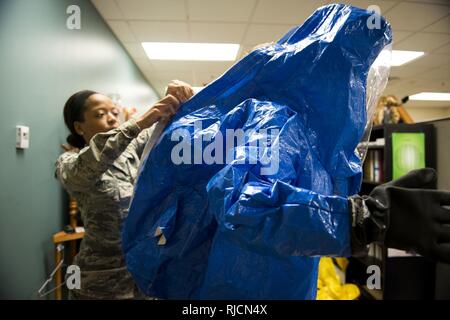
(422,25)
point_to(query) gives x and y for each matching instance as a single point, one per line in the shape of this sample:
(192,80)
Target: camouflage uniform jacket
(101,178)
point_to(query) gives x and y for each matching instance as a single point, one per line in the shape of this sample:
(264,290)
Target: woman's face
(101,115)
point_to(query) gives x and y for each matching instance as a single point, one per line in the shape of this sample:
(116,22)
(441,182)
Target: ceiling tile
(431,60)
(197,73)
(430,1)
(413,83)
(398,82)
(220,10)
(397,91)
(135,50)
(160,31)
(217,32)
(398,87)
(173,67)
(390,88)
(423,42)
(400,35)
(217,21)
(403,90)
(435,80)
(122,31)
(285,11)
(442,25)
(153,9)
(207,72)
(406,71)
(244,50)
(429,110)
(262,33)
(166,66)
(427,85)
(438,86)
(443,49)
(437,74)
(166,77)
(108,9)
(414,16)
(364,4)
(205,78)
(214,67)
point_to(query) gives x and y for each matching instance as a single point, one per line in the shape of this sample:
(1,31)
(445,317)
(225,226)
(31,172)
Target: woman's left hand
(180,90)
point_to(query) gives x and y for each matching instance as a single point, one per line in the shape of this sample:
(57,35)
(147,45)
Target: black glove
(404,214)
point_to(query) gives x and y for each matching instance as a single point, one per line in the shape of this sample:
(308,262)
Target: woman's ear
(78,126)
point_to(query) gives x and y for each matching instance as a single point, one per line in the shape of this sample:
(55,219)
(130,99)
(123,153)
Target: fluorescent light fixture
(191,51)
(400,57)
(431,96)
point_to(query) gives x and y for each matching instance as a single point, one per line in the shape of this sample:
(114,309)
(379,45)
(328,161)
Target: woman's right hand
(162,110)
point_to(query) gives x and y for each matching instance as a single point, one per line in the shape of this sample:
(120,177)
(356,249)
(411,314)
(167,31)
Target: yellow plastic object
(330,285)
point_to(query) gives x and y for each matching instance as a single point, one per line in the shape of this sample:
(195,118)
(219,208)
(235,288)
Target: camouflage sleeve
(78,171)
(142,139)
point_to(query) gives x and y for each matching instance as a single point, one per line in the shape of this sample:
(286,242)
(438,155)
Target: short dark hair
(74,111)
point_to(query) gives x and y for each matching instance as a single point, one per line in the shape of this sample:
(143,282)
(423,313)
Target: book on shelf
(375,252)
(378,143)
(373,166)
(393,253)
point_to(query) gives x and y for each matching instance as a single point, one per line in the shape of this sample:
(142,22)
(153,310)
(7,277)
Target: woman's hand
(180,90)
(177,92)
(162,110)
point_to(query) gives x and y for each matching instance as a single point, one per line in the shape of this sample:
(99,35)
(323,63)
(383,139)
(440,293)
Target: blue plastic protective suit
(232,232)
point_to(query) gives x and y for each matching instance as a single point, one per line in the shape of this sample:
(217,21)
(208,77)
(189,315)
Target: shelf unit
(402,277)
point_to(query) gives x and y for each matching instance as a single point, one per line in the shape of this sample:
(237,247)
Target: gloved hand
(404,214)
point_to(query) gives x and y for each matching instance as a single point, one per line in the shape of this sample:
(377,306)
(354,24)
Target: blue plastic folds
(252,223)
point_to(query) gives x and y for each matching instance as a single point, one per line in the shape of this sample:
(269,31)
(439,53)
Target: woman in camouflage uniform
(100,176)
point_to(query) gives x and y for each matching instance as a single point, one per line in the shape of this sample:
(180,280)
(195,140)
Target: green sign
(408,153)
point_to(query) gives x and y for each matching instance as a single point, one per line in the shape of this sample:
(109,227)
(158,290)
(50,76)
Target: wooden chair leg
(58,274)
(73,250)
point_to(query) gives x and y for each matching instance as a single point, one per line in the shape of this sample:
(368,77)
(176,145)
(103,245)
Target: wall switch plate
(22,137)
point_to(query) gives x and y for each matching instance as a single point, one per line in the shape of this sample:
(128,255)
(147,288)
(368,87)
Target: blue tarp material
(231,231)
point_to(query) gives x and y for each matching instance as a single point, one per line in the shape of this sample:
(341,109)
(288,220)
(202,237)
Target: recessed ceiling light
(400,57)
(431,96)
(191,51)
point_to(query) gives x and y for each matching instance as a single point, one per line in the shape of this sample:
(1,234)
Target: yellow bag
(331,285)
